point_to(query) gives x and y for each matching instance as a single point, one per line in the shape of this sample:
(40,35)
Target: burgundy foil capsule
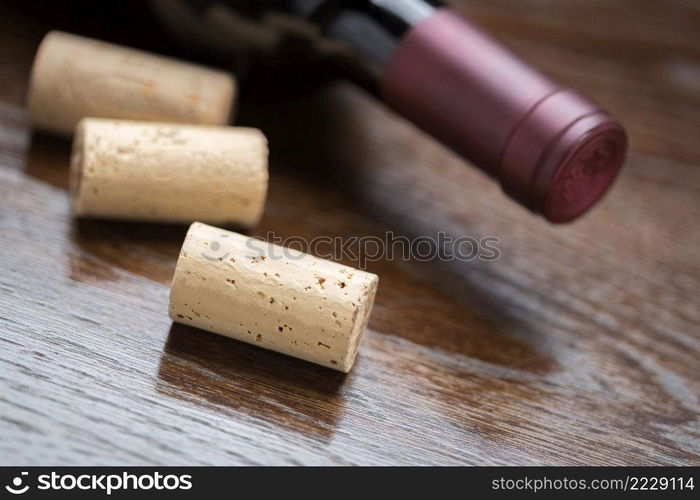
(553,150)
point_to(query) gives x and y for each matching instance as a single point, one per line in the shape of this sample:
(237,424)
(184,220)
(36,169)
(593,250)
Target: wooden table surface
(580,345)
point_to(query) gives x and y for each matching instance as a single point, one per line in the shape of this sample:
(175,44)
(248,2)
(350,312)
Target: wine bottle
(552,149)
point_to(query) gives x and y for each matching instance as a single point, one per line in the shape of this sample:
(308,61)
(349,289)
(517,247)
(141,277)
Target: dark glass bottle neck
(398,16)
(371,27)
(395,16)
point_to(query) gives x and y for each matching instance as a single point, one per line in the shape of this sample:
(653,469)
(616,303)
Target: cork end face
(173,283)
(260,197)
(36,106)
(77,167)
(360,323)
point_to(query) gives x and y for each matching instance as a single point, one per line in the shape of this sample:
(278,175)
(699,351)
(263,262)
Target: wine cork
(274,297)
(74,77)
(168,172)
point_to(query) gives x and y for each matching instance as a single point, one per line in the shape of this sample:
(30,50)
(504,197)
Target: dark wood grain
(580,345)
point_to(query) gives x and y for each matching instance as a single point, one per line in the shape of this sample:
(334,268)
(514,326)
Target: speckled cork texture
(75,77)
(276,298)
(169,172)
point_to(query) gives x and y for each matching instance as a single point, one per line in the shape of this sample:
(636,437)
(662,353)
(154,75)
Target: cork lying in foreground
(169,172)
(74,77)
(274,297)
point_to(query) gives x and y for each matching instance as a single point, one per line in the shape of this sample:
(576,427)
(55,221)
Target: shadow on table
(48,159)
(235,377)
(145,249)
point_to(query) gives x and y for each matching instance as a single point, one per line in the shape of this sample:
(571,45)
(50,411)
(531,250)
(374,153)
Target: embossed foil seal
(552,149)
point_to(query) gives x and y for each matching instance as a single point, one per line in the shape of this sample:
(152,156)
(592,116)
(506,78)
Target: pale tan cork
(166,172)
(74,77)
(274,297)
